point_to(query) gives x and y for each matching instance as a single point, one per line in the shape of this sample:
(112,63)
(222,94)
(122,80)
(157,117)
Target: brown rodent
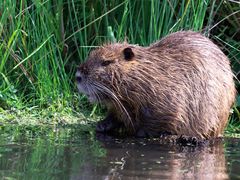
(181,85)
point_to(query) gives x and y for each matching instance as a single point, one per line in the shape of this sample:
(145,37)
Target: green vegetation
(42,42)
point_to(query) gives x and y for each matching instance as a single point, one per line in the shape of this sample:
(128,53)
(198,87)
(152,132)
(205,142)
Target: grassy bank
(42,42)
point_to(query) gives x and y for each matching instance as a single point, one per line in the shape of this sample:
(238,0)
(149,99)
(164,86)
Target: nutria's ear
(128,54)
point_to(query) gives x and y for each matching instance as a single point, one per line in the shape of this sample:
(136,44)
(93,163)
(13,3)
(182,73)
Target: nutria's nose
(79,76)
(78,79)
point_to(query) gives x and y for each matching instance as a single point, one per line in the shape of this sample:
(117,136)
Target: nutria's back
(182,84)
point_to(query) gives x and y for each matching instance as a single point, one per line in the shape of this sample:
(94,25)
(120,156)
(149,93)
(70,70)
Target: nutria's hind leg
(108,124)
(190,141)
(142,133)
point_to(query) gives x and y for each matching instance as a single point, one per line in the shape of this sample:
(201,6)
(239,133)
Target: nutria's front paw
(104,126)
(108,124)
(141,133)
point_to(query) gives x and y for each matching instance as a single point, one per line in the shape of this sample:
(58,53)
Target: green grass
(42,42)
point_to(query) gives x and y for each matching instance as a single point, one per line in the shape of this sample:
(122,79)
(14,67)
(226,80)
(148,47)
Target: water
(70,153)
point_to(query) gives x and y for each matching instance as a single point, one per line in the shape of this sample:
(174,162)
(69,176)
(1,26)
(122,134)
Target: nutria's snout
(78,78)
(83,84)
(82,72)
(182,85)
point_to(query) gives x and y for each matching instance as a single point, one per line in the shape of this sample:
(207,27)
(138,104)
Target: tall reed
(42,42)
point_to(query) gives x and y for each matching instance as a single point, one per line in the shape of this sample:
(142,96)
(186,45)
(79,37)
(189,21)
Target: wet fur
(182,85)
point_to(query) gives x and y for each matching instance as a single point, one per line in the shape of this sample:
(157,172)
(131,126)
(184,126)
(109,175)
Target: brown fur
(182,84)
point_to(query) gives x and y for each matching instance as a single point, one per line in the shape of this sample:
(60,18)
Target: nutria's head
(123,78)
(99,77)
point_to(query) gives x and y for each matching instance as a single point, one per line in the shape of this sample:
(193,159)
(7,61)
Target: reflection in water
(151,159)
(70,154)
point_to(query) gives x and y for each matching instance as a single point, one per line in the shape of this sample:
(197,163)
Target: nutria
(181,85)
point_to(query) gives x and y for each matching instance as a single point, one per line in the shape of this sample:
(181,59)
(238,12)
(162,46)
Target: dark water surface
(68,153)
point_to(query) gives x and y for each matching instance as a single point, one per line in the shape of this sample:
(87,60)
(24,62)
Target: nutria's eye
(106,63)
(128,54)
